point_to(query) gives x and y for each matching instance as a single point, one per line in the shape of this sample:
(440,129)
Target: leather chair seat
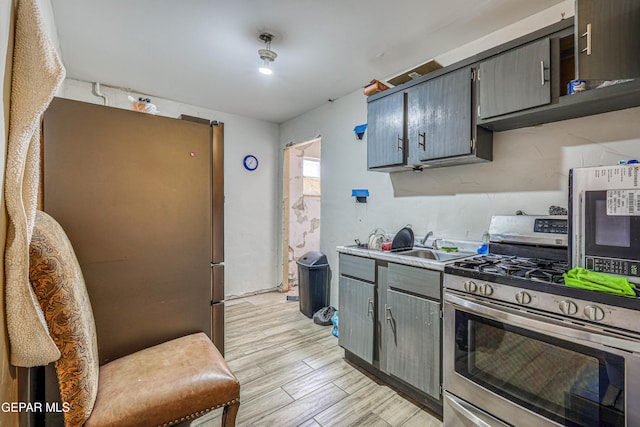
(164,385)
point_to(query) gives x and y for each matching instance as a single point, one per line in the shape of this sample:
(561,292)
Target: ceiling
(205,52)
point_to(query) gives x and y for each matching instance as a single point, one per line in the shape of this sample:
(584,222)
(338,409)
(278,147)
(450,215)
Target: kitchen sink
(435,255)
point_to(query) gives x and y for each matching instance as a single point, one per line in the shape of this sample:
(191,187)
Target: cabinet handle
(422,144)
(542,73)
(399,143)
(387,313)
(369,307)
(587,34)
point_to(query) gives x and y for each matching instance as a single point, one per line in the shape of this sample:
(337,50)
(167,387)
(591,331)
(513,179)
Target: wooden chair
(159,386)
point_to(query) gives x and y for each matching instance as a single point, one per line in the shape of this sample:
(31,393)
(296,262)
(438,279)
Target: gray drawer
(358,267)
(416,280)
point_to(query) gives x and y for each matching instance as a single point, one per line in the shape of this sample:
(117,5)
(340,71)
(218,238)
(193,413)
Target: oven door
(524,368)
(611,232)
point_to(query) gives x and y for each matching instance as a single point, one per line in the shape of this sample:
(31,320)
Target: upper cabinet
(386,131)
(515,80)
(447,117)
(607,39)
(439,117)
(429,124)
(600,46)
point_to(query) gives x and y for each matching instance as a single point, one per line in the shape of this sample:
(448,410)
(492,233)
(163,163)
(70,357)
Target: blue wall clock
(250,162)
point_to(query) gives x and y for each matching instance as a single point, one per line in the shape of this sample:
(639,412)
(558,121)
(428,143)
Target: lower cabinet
(412,341)
(356,325)
(390,320)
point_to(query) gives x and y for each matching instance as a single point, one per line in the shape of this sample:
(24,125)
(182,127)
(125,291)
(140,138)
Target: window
(311,176)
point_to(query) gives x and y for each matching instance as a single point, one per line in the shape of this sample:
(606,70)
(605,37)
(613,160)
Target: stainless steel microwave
(604,219)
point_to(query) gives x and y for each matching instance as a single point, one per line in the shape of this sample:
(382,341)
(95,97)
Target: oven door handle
(542,324)
(471,413)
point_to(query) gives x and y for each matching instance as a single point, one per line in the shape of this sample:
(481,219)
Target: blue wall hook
(360,195)
(359,130)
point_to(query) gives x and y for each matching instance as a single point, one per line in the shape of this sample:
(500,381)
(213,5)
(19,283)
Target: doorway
(301,206)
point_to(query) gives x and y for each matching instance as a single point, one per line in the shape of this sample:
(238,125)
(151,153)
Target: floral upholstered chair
(159,386)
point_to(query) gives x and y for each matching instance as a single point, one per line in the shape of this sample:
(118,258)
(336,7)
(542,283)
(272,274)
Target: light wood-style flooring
(293,373)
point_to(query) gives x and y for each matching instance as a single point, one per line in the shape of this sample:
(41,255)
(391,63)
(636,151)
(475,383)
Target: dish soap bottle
(484,247)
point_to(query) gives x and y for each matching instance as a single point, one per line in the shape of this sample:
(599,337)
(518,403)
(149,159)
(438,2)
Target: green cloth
(593,281)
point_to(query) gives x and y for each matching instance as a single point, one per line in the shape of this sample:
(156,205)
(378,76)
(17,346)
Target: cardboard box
(416,72)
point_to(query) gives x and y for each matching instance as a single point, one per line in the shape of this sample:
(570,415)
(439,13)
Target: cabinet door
(607,37)
(413,341)
(419,115)
(515,80)
(356,327)
(385,138)
(439,117)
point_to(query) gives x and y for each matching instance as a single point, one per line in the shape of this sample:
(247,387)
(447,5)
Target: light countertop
(398,257)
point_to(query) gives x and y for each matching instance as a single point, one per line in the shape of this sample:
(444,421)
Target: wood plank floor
(293,373)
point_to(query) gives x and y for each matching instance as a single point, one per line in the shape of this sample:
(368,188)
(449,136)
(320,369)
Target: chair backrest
(57,280)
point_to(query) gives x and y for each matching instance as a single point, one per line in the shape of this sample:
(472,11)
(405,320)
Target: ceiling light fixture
(267,55)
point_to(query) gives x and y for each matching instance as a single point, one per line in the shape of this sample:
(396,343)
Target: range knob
(568,307)
(593,312)
(470,286)
(486,290)
(523,298)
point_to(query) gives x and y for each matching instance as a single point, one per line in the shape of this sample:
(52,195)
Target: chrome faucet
(434,244)
(423,242)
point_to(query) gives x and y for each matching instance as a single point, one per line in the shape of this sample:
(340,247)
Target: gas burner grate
(546,275)
(478,262)
(538,269)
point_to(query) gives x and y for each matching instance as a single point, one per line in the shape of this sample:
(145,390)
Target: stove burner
(539,269)
(546,275)
(502,268)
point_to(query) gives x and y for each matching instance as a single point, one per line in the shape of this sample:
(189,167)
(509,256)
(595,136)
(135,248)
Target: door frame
(286,175)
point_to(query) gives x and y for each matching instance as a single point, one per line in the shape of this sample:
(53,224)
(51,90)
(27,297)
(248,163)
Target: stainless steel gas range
(520,348)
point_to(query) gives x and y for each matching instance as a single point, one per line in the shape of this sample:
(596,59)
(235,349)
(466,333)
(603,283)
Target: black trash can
(313,280)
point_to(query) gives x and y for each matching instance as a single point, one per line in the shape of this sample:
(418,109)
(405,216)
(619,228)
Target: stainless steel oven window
(565,382)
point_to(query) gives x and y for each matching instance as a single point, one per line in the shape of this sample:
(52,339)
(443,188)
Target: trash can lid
(313,259)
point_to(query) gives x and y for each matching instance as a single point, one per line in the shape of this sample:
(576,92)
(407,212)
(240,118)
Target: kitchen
(456,203)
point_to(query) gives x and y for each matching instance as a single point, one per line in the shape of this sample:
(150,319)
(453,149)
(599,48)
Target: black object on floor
(323,316)
(313,277)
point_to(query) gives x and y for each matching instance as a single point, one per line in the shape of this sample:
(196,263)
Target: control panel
(614,266)
(549,225)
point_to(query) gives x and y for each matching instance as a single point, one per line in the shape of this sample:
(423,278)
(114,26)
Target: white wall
(251,228)
(529,171)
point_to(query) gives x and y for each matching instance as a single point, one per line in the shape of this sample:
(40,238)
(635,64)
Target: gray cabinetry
(386,131)
(358,267)
(515,80)
(413,341)
(356,327)
(520,83)
(390,324)
(439,117)
(430,123)
(357,305)
(607,39)
(412,327)
(419,281)
(601,43)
